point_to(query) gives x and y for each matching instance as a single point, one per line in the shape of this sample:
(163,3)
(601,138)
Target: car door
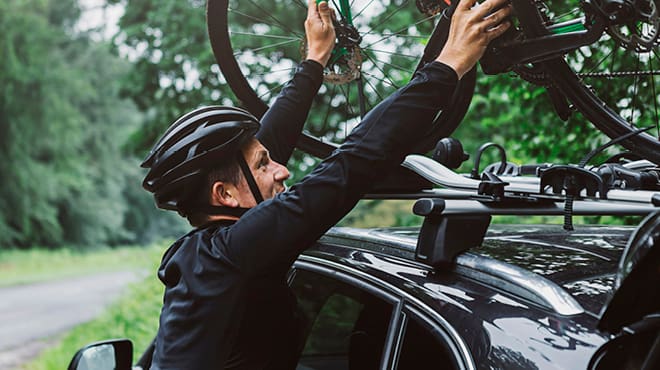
(352,324)
(346,322)
(424,343)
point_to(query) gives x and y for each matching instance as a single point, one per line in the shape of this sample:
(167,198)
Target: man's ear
(221,194)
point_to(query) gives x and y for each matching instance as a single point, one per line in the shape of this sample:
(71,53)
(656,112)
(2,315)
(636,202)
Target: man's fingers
(326,12)
(311,9)
(497,17)
(487,7)
(466,4)
(497,31)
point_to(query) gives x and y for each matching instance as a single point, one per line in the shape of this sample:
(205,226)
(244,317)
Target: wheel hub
(345,62)
(430,7)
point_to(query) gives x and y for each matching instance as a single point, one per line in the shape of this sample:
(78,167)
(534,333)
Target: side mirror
(116,354)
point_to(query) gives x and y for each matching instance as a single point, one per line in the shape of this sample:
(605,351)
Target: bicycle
(580,51)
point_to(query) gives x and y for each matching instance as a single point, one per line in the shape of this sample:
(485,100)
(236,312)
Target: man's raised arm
(283,122)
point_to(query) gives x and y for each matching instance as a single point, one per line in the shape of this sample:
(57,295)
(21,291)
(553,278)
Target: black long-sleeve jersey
(226,303)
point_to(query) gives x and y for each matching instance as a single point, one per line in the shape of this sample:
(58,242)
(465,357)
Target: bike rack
(457,216)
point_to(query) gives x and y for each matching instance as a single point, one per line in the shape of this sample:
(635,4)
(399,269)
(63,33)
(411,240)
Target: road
(31,315)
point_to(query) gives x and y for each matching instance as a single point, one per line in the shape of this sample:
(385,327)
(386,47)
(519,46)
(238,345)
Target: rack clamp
(572,180)
(444,235)
(491,191)
(491,185)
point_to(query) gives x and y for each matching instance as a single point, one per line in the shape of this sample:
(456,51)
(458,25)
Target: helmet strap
(221,210)
(249,178)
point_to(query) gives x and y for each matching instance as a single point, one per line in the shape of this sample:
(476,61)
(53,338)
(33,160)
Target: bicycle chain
(620,74)
(538,77)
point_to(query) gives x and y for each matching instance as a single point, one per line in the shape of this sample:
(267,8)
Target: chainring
(640,33)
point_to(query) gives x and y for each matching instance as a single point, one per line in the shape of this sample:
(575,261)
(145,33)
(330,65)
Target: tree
(174,69)
(62,125)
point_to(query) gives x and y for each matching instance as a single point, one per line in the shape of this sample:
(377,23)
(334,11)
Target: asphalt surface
(31,316)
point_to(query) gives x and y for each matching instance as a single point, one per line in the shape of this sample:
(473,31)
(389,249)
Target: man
(226,303)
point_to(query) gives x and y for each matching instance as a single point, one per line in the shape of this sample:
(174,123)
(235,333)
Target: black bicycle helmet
(192,146)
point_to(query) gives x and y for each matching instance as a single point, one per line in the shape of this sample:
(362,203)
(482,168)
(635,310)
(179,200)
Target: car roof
(582,263)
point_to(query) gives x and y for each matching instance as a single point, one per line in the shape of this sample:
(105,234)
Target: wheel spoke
(398,33)
(655,100)
(269,92)
(363,8)
(349,107)
(380,97)
(634,97)
(326,116)
(266,36)
(600,61)
(273,71)
(277,23)
(265,47)
(380,79)
(397,67)
(390,15)
(393,53)
(382,71)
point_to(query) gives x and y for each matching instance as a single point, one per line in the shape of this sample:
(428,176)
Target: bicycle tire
(603,101)
(226,44)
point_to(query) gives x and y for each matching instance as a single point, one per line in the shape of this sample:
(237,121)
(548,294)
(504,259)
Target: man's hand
(472,28)
(320,31)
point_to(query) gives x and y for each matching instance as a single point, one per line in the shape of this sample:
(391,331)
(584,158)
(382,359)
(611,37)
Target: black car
(460,293)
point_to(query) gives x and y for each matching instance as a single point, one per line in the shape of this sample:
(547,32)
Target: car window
(421,348)
(345,326)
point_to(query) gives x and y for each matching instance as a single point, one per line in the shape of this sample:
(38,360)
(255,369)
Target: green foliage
(376,213)
(520,116)
(62,125)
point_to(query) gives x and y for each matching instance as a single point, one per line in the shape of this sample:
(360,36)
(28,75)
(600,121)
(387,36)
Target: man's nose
(281,173)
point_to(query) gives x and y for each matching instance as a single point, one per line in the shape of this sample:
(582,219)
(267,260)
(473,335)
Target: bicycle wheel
(614,82)
(258,45)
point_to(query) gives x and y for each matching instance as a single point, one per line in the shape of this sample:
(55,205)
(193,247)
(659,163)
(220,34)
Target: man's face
(268,174)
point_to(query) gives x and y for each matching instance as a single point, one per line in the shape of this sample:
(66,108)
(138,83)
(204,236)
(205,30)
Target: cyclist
(226,301)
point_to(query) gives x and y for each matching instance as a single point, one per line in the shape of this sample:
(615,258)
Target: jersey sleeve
(283,122)
(273,233)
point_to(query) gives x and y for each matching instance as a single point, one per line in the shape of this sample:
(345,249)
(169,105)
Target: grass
(29,266)
(134,315)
